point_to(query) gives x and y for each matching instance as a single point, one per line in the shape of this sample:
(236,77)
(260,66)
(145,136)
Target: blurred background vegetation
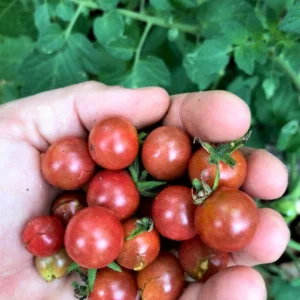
(251,48)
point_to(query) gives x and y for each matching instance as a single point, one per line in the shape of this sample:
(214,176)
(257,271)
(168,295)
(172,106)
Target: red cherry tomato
(114,190)
(67,204)
(161,280)
(113,285)
(67,163)
(229,177)
(140,251)
(200,261)
(166,153)
(43,236)
(227,220)
(173,213)
(114,143)
(94,237)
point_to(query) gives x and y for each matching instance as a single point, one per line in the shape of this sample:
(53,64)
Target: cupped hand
(28,126)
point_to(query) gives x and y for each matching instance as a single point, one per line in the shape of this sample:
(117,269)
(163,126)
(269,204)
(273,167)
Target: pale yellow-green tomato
(54,266)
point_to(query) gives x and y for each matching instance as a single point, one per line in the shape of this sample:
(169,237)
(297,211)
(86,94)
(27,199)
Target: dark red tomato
(114,143)
(140,251)
(200,261)
(229,177)
(67,204)
(166,153)
(227,220)
(161,280)
(67,163)
(94,237)
(116,191)
(43,236)
(173,213)
(113,285)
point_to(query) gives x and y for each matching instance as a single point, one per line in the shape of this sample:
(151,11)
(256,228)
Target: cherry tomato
(116,191)
(200,261)
(166,153)
(94,237)
(113,285)
(114,143)
(229,177)
(67,204)
(163,279)
(140,251)
(54,266)
(67,163)
(227,220)
(173,213)
(43,236)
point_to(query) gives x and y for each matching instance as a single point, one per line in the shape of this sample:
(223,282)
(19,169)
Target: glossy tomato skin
(227,220)
(113,143)
(94,237)
(200,261)
(163,279)
(43,236)
(67,163)
(166,153)
(67,204)
(138,252)
(229,177)
(116,191)
(113,285)
(173,213)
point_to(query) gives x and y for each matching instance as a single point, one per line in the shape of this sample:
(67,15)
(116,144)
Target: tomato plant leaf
(8,92)
(114,266)
(163,5)
(134,170)
(289,137)
(149,185)
(42,17)
(122,48)
(107,4)
(142,225)
(244,57)
(291,21)
(92,273)
(65,11)
(73,267)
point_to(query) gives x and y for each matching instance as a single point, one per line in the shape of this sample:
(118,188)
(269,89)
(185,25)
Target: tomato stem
(142,225)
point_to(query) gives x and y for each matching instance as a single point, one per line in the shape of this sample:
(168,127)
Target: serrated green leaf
(65,11)
(290,54)
(72,267)
(163,5)
(92,273)
(236,32)
(13,51)
(122,48)
(114,266)
(207,62)
(8,92)
(42,17)
(51,39)
(269,85)
(107,4)
(291,21)
(260,49)
(289,137)
(155,39)
(16,18)
(149,71)
(149,185)
(142,225)
(134,170)
(244,57)
(108,28)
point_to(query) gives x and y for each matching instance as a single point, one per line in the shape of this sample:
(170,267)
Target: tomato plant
(141,245)
(200,261)
(114,190)
(67,204)
(166,153)
(67,163)
(94,237)
(173,213)
(113,143)
(43,235)
(227,220)
(163,279)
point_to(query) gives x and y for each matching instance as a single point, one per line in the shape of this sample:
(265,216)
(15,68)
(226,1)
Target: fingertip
(192,292)
(172,118)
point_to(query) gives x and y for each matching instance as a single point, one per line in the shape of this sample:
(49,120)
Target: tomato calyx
(142,225)
(147,186)
(202,267)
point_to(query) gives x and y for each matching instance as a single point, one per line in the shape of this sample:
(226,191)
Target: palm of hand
(27,127)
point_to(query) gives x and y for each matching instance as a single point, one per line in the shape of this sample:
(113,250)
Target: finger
(211,116)
(192,292)
(269,242)
(267,176)
(43,118)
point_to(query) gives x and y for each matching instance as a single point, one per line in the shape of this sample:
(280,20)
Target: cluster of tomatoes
(145,224)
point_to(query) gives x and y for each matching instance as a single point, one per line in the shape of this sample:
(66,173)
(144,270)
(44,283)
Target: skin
(29,125)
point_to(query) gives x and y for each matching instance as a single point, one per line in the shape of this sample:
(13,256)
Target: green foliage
(250,48)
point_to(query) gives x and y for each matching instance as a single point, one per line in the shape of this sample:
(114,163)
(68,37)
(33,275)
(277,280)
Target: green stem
(294,245)
(73,21)
(141,44)
(292,158)
(294,258)
(142,6)
(288,70)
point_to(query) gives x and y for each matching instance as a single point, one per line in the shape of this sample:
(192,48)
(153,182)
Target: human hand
(29,126)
